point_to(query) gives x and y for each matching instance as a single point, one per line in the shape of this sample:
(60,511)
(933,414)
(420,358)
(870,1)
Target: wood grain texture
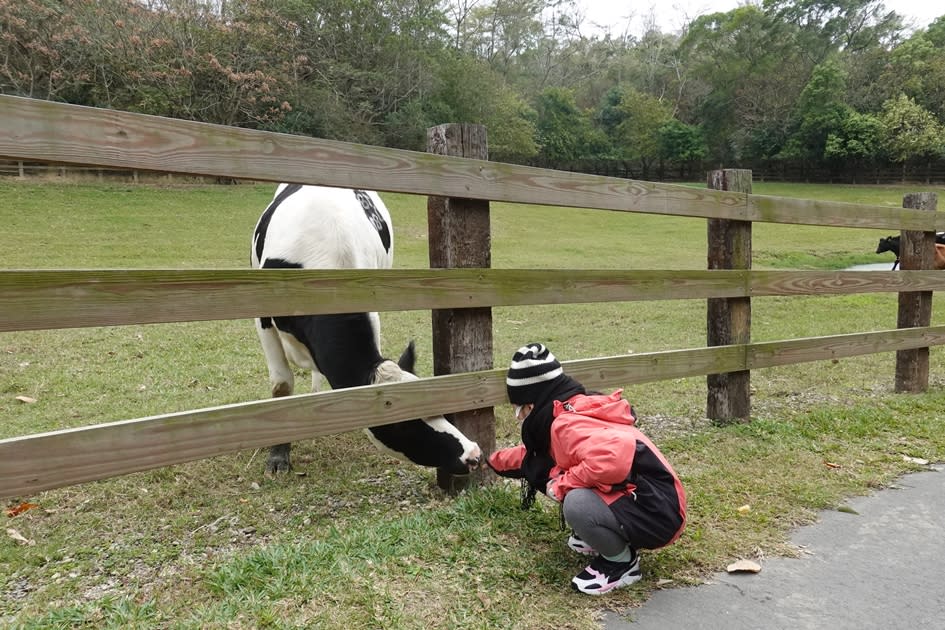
(30,464)
(915,307)
(460,237)
(43,299)
(56,132)
(728,320)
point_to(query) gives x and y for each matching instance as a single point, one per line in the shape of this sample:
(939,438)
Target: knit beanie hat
(533,369)
(535,377)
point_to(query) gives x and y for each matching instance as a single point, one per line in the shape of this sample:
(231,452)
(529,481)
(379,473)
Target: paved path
(881,568)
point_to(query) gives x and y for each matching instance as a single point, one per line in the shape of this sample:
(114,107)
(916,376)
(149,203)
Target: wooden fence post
(729,319)
(459,236)
(916,251)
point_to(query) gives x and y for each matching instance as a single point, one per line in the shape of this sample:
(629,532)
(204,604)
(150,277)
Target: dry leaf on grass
(16,510)
(915,460)
(744,566)
(18,537)
(745,509)
(26,399)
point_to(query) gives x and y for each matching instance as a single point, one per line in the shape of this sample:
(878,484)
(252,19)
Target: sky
(671,15)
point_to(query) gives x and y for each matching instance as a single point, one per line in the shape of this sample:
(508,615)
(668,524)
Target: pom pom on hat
(533,369)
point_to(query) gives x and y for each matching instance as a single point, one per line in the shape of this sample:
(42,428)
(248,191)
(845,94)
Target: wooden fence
(40,131)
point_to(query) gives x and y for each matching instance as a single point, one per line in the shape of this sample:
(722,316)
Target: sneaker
(603,575)
(577,544)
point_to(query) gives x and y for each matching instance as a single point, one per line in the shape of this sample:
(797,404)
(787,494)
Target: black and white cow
(314,227)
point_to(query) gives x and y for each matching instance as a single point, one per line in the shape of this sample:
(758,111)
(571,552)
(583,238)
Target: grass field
(355,539)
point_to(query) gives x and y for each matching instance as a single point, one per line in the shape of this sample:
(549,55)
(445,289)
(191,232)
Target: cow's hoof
(278,467)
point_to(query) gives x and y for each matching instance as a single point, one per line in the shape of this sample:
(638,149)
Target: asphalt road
(881,568)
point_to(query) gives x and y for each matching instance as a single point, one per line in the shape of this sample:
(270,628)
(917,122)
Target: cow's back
(318,227)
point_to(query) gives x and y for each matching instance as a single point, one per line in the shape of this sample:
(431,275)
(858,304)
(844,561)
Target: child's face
(522,411)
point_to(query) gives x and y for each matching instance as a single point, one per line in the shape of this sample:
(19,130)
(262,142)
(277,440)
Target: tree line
(829,85)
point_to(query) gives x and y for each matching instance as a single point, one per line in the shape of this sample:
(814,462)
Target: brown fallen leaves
(16,510)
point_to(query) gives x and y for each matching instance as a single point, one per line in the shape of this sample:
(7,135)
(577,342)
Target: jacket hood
(611,408)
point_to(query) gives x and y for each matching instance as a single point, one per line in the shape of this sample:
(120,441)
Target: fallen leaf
(18,537)
(19,509)
(915,460)
(486,602)
(745,509)
(832,465)
(663,582)
(26,399)
(846,509)
(744,566)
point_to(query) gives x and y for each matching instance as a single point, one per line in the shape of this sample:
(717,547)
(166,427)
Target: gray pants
(594,522)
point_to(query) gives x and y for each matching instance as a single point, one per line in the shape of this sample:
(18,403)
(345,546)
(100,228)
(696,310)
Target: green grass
(357,539)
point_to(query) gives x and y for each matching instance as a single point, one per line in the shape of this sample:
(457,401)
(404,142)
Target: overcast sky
(671,15)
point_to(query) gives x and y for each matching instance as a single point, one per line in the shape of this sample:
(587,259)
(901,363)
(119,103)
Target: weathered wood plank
(916,251)
(45,131)
(728,320)
(43,299)
(791,351)
(766,209)
(459,236)
(30,464)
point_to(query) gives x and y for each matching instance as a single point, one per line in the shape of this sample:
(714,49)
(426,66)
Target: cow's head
(432,441)
(888,244)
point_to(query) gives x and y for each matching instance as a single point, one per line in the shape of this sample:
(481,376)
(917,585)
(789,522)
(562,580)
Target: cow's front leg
(279,461)
(282,381)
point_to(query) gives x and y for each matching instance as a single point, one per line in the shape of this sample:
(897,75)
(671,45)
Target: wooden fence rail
(33,463)
(31,299)
(37,300)
(46,131)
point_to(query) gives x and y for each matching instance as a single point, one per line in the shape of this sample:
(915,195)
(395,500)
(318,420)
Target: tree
(916,68)
(911,132)
(637,135)
(681,143)
(936,32)
(500,31)
(826,26)
(361,66)
(468,90)
(858,140)
(563,130)
(743,74)
(43,49)
(820,112)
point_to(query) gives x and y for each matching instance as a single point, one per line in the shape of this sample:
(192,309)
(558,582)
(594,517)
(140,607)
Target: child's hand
(550,490)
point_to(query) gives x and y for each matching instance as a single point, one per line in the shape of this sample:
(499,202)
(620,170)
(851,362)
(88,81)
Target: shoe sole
(627,580)
(584,551)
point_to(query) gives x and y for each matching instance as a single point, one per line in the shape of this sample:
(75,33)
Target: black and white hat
(533,369)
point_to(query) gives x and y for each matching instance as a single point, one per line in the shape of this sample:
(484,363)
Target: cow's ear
(408,358)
